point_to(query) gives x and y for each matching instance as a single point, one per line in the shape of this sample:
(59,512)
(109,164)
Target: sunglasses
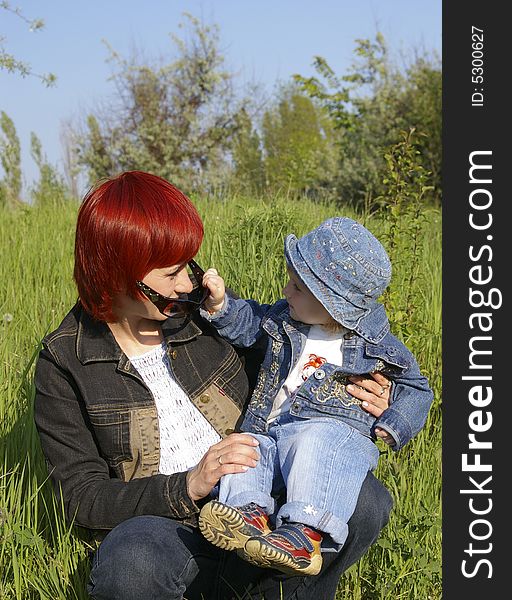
(178,307)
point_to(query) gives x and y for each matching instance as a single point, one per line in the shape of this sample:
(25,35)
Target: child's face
(304,306)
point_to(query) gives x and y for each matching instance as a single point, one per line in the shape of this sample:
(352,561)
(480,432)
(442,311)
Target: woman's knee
(144,557)
(372,510)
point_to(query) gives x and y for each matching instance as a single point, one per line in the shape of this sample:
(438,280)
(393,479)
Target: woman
(137,400)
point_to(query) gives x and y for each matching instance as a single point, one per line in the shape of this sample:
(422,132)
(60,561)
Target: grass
(43,557)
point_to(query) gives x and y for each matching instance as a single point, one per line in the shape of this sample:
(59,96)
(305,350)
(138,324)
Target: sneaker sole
(224,527)
(259,553)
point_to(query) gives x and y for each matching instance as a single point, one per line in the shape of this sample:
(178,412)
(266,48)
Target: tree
(10,158)
(50,188)
(177,119)
(94,151)
(70,163)
(406,185)
(9,62)
(297,143)
(369,107)
(422,110)
(248,173)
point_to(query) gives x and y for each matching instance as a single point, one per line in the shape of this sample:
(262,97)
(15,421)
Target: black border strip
(477,236)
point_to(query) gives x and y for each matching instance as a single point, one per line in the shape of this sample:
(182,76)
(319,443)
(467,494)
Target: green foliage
(249,173)
(50,187)
(290,149)
(422,105)
(43,557)
(369,107)
(11,64)
(175,120)
(406,186)
(296,144)
(250,232)
(39,557)
(10,158)
(94,153)
(322,136)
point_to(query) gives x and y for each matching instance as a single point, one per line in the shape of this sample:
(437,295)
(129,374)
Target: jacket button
(173,354)
(204,398)
(319,374)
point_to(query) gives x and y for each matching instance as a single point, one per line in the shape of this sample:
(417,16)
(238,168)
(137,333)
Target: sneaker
(292,548)
(229,527)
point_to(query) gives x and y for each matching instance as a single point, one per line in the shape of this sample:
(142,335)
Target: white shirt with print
(321,346)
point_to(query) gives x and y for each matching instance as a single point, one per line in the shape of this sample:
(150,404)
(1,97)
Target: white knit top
(185,434)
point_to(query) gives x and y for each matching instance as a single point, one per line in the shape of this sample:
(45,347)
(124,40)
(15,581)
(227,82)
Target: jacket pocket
(394,360)
(330,395)
(112,430)
(129,440)
(144,444)
(222,412)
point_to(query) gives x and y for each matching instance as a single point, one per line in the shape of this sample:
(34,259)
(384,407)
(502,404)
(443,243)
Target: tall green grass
(43,557)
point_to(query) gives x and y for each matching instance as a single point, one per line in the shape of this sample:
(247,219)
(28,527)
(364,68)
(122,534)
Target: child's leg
(324,463)
(255,484)
(244,503)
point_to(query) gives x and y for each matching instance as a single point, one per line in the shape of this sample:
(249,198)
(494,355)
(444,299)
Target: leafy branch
(11,64)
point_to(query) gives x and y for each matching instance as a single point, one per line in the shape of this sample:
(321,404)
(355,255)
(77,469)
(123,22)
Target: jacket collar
(373,326)
(280,325)
(176,331)
(95,342)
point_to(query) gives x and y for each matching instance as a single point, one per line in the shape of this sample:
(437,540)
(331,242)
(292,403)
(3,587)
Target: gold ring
(219,460)
(383,390)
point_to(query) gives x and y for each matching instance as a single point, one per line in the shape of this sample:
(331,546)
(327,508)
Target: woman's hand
(374,390)
(234,454)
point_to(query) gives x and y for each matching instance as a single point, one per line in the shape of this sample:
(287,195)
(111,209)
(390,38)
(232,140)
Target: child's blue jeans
(322,462)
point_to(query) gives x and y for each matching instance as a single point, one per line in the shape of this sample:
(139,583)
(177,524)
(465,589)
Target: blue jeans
(155,558)
(321,462)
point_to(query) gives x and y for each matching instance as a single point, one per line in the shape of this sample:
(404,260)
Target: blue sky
(263,41)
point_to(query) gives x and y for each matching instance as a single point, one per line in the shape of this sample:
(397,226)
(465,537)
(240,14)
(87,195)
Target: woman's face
(169,281)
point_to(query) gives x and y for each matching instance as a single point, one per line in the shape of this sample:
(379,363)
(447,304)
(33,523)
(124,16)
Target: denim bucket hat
(347,269)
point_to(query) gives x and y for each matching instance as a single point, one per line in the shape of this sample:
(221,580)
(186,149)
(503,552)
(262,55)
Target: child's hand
(214,282)
(384,436)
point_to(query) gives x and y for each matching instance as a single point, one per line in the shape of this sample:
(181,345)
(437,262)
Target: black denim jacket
(98,424)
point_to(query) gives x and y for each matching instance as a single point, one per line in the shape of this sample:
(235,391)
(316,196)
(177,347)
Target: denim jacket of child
(244,322)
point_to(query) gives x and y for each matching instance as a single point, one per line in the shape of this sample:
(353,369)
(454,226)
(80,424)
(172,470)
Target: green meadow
(41,556)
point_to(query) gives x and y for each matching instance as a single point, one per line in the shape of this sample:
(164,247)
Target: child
(315,439)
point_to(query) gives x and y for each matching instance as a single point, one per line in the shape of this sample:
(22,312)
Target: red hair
(127,226)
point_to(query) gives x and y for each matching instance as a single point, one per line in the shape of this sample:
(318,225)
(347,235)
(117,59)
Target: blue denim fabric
(346,268)
(321,462)
(156,558)
(245,322)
